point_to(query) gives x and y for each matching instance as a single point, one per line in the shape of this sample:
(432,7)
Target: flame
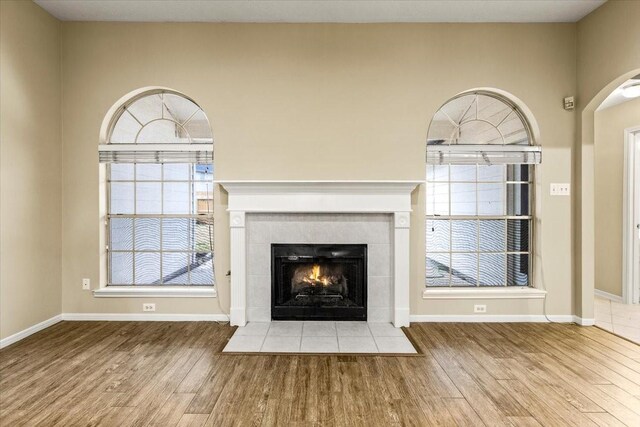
(315,275)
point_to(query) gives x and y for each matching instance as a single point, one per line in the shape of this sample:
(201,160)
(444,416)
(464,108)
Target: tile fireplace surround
(375,213)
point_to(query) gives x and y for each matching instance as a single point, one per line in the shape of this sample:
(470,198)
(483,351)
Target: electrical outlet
(86,284)
(479,308)
(560,189)
(147,306)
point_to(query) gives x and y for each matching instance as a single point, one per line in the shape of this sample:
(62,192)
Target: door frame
(630,202)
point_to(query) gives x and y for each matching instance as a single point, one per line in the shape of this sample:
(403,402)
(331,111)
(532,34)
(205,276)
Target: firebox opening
(320,282)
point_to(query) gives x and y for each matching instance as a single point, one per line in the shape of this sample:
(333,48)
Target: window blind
(484,155)
(156,153)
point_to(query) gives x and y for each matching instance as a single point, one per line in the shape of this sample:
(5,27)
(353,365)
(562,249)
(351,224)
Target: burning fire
(315,272)
(315,276)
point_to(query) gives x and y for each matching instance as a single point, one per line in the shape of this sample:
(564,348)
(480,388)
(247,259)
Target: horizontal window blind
(156,153)
(160,224)
(479,225)
(483,155)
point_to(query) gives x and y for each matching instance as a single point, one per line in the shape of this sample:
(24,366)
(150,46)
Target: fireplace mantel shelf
(355,182)
(320,186)
(392,197)
(320,196)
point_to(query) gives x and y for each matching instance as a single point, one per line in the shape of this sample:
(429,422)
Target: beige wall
(30,167)
(356,100)
(609,170)
(608,54)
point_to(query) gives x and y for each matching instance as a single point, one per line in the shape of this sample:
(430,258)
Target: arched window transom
(161,118)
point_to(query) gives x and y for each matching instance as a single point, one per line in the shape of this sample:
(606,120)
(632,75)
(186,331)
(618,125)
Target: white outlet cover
(86,284)
(148,306)
(563,189)
(480,308)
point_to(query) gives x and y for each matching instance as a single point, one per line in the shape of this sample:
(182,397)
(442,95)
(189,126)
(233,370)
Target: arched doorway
(585,202)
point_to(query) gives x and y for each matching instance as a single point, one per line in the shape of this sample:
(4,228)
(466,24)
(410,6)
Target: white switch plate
(560,189)
(86,284)
(480,308)
(147,306)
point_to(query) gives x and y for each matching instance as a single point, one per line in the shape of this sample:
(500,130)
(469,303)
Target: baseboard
(607,295)
(584,321)
(492,318)
(29,331)
(158,317)
(152,317)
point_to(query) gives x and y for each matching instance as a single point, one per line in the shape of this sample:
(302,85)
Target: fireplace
(318,282)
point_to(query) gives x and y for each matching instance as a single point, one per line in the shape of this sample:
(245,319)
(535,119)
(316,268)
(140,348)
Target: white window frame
(192,153)
(477,218)
(479,154)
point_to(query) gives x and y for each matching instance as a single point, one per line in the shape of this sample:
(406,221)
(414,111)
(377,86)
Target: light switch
(560,189)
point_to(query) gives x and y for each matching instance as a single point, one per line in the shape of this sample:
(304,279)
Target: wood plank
(523,422)
(610,357)
(171,373)
(483,404)
(535,375)
(192,420)
(114,417)
(605,419)
(601,365)
(170,414)
(561,400)
(620,395)
(603,400)
(462,413)
(545,411)
(610,340)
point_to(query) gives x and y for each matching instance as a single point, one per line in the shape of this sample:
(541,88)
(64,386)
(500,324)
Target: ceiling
(356,11)
(616,96)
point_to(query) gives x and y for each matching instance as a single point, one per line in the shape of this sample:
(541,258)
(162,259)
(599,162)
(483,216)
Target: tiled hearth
(319,337)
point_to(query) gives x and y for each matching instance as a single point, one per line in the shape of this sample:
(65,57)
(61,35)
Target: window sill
(155,291)
(488,293)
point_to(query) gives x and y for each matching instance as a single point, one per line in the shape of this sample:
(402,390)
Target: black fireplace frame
(311,252)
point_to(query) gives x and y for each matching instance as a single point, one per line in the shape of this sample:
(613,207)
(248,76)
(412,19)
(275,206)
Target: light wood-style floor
(168,374)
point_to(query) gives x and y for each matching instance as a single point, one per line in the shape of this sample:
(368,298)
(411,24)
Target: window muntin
(478,118)
(159,195)
(161,118)
(478,226)
(479,186)
(160,224)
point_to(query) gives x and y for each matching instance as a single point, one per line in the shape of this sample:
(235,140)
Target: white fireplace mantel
(393,197)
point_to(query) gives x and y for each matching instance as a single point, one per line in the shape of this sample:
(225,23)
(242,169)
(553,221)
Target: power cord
(542,281)
(210,230)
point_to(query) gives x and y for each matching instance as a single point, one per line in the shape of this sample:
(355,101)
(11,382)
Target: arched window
(479,193)
(158,150)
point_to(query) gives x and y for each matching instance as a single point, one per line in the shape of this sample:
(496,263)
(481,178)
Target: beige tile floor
(319,337)
(621,319)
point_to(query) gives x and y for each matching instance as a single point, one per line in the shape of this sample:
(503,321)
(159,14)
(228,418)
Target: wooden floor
(167,374)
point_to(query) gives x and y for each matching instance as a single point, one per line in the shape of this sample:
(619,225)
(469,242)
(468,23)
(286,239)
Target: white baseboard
(157,317)
(607,295)
(492,318)
(584,321)
(29,331)
(153,317)
(160,317)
